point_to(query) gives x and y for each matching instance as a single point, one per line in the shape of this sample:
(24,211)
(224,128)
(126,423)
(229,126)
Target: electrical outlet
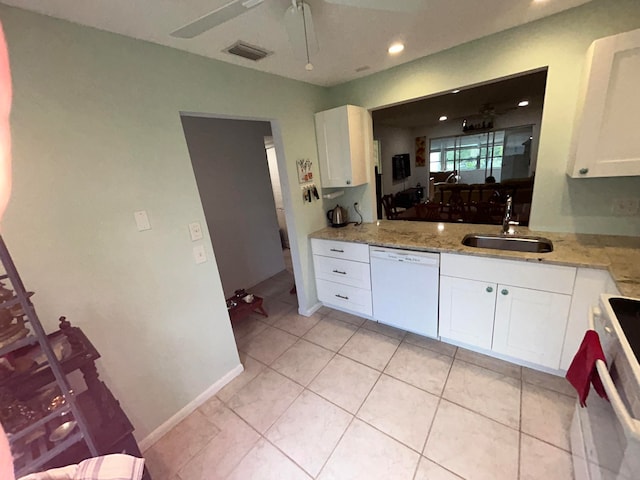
(625,206)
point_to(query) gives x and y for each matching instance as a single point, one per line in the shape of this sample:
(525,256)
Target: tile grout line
(433,420)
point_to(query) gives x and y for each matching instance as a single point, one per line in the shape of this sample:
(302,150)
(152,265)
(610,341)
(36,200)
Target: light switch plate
(142,220)
(199,254)
(195,230)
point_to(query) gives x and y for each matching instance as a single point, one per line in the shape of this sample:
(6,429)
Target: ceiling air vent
(247,51)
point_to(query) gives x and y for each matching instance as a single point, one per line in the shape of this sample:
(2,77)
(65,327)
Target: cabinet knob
(489,289)
(348,182)
(583,171)
(505,291)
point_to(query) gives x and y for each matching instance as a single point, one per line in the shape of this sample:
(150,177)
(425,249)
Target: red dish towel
(583,370)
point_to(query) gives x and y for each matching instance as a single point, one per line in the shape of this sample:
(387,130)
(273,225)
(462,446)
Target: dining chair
(390,209)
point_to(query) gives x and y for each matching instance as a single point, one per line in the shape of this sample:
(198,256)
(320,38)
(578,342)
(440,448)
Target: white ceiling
(349,38)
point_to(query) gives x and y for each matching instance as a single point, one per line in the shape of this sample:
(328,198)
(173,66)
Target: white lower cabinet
(590,284)
(467,310)
(512,308)
(345,297)
(343,276)
(530,324)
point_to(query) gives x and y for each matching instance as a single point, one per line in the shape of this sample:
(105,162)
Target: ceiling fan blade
(387,5)
(295,23)
(217,17)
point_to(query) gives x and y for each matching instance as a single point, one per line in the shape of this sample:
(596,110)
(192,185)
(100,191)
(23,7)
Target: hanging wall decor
(304,170)
(421,151)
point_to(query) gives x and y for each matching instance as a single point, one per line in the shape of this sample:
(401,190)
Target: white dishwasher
(404,286)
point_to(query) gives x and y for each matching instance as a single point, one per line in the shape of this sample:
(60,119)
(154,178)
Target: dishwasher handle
(405,256)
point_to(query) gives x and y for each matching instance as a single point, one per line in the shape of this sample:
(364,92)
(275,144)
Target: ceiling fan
(297,18)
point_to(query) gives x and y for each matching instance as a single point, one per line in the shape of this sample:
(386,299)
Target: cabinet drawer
(549,278)
(344,296)
(358,252)
(347,272)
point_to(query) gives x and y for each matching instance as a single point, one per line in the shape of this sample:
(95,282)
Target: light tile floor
(335,396)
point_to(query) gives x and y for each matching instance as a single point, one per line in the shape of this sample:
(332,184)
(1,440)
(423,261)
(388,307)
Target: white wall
(393,141)
(230,164)
(97,136)
(559,42)
(274,173)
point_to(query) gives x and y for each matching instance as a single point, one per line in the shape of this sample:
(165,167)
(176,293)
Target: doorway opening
(237,185)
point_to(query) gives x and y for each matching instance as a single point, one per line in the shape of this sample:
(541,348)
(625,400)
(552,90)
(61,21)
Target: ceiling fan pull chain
(309,65)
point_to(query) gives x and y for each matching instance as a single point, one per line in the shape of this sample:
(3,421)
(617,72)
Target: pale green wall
(560,42)
(97,135)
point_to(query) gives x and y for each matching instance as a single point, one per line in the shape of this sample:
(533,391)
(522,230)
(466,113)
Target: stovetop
(627,312)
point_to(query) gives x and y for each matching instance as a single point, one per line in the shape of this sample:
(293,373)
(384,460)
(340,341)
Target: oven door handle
(630,424)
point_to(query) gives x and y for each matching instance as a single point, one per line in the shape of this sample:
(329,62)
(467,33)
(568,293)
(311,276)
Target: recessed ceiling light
(523,103)
(457,90)
(443,118)
(396,48)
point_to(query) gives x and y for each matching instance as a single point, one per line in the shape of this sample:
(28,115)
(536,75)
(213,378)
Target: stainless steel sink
(509,242)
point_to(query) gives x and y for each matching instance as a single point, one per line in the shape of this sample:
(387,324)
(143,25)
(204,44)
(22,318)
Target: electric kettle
(337,217)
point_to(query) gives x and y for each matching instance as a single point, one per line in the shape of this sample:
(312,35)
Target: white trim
(310,311)
(189,408)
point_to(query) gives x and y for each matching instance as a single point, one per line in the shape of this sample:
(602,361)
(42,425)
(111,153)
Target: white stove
(605,436)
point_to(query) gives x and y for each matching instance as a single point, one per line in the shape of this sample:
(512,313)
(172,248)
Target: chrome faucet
(507,223)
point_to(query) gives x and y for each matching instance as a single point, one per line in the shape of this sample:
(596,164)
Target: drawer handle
(505,291)
(338,271)
(342,296)
(489,289)
(336,250)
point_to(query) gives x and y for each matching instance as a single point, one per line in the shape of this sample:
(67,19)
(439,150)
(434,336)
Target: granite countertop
(620,255)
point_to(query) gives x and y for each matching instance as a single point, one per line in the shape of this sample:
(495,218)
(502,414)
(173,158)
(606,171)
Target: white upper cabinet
(343,145)
(605,142)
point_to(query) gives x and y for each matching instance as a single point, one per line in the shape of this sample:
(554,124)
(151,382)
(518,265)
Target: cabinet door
(466,310)
(530,324)
(590,284)
(606,137)
(341,136)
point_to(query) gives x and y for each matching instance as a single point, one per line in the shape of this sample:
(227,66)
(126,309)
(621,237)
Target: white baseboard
(310,311)
(189,408)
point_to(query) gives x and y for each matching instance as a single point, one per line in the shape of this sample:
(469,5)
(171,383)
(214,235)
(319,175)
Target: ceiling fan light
(396,48)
